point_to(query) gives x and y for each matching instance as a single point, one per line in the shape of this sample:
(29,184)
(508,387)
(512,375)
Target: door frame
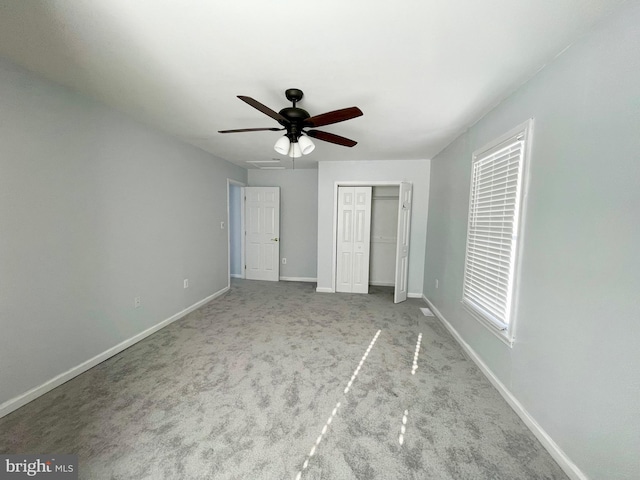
(241,185)
(347,183)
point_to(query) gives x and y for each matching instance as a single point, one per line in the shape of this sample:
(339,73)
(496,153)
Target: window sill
(502,335)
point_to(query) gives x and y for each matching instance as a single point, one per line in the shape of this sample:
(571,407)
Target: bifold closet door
(402,246)
(353,233)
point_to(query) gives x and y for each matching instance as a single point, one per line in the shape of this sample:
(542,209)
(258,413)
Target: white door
(354,231)
(402,247)
(262,232)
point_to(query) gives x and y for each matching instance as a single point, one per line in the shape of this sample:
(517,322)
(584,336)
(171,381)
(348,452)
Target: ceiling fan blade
(333,117)
(251,130)
(264,109)
(331,138)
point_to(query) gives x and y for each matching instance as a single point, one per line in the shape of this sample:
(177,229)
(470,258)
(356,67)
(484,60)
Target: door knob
(274,239)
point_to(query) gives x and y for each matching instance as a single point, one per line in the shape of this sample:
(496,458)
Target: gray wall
(414,171)
(298,218)
(95,209)
(574,366)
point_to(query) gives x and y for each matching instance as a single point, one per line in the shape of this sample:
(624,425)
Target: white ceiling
(422,71)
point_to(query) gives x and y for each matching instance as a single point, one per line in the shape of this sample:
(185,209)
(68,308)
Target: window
(495,205)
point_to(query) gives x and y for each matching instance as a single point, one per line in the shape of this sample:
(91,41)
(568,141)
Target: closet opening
(371,236)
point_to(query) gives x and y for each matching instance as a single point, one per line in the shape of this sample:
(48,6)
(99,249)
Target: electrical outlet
(284,261)
(437,283)
(186,283)
(222,225)
(136,302)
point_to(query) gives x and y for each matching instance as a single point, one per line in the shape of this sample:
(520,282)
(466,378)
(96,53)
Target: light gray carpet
(244,387)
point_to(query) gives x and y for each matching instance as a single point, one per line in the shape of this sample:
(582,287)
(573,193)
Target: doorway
(384,235)
(235,227)
(371,236)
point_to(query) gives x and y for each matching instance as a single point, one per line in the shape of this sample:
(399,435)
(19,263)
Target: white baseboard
(17,402)
(329,290)
(570,468)
(236,275)
(382,284)
(299,279)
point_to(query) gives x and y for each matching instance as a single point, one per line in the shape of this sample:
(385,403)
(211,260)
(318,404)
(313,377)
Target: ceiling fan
(294,120)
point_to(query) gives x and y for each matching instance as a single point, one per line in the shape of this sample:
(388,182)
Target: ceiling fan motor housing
(295,116)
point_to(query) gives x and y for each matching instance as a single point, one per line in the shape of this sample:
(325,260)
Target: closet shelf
(378,239)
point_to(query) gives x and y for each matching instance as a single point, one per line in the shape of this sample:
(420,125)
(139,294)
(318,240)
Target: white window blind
(492,230)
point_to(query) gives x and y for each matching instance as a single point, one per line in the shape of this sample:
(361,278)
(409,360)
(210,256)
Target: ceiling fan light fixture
(282,146)
(295,151)
(295,120)
(306,145)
